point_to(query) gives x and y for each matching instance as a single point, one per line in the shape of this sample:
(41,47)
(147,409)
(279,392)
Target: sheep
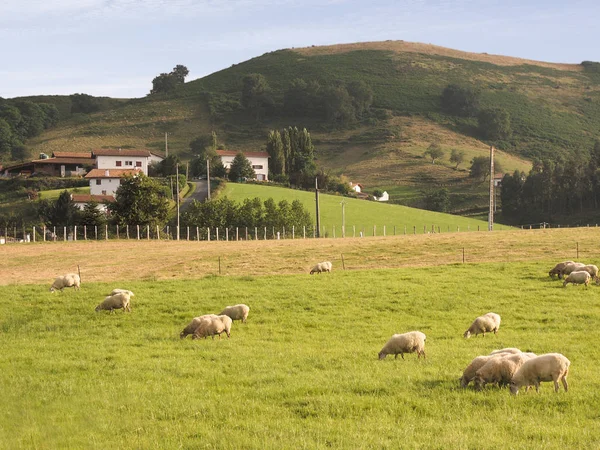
(548,367)
(118,291)
(478,362)
(557,270)
(487,322)
(511,350)
(592,270)
(68,280)
(237,312)
(194,324)
(324,266)
(499,370)
(116,301)
(212,326)
(413,341)
(579,277)
(574,266)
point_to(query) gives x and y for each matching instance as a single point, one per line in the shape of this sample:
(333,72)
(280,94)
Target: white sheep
(236,312)
(572,267)
(213,326)
(579,277)
(478,362)
(557,270)
(592,270)
(68,280)
(499,370)
(116,301)
(548,367)
(324,266)
(118,291)
(482,324)
(511,350)
(413,341)
(194,324)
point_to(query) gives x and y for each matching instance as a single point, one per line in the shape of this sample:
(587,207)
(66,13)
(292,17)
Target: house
(61,164)
(356,187)
(125,159)
(498,180)
(259,161)
(384,197)
(81,200)
(107,181)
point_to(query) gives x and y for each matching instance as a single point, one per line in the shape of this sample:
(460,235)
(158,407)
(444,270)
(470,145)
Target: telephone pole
(166,145)
(343,203)
(491,212)
(317,205)
(177,181)
(208,176)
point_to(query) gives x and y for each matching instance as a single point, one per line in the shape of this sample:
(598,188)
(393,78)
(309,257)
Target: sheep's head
(182,335)
(98,308)
(382,355)
(52,289)
(467,334)
(514,389)
(478,382)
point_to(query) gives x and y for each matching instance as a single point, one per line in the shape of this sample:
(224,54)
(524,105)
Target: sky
(115,48)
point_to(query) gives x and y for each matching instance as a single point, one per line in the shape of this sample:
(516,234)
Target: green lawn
(303,372)
(361,214)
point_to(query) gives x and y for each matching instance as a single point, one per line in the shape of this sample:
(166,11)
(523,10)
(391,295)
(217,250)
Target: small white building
(259,161)
(81,200)
(384,197)
(356,187)
(498,179)
(125,159)
(107,181)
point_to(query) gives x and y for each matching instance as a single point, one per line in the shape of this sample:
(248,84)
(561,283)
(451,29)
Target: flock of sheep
(577,273)
(508,366)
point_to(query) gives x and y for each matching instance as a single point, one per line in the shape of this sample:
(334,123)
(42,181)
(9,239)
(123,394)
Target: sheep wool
(194,324)
(579,277)
(499,370)
(117,301)
(236,312)
(483,324)
(324,266)
(68,280)
(213,326)
(557,270)
(413,341)
(549,367)
(118,291)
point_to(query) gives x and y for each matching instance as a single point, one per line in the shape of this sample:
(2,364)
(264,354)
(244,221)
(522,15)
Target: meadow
(303,372)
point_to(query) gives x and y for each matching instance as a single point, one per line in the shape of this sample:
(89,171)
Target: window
(118,164)
(98,182)
(103,192)
(129,163)
(257,167)
(138,164)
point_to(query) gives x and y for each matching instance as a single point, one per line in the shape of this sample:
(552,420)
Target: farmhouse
(81,200)
(383,198)
(356,187)
(125,159)
(107,181)
(259,161)
(61,164)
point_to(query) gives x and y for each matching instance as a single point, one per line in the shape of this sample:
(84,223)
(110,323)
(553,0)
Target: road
(200,193)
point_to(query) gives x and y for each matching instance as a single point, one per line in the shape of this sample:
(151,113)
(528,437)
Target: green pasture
(303,372)
(361,214)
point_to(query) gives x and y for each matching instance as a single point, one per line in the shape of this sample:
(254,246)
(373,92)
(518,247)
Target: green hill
(554,108)
(363,215)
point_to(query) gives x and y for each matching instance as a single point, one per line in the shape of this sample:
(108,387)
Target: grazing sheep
(499,370)
(325,266)
(557,270)
(68,280)
(471,370)
(237,312)
(511,350)
(118,291)
(579,277)
(483,324)
(212,326)
(194,324)
(572,267)
(548,367)
(592,270)
(117,301)
(413,341)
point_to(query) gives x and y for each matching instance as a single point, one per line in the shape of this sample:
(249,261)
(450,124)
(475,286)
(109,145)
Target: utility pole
(166,145)
(177,181)
(491,212)
(317,205)
(343,203)
(208,176)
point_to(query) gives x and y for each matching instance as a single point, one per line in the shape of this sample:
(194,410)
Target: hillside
(553,108)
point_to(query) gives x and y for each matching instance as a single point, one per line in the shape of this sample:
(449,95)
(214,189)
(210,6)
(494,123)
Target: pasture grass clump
(303,371)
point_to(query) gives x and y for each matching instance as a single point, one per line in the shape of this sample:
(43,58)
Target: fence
(106,232)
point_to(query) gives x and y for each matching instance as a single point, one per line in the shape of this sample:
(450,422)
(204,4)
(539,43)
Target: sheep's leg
(565,384)
(537,387)
(556,385)
(396,356)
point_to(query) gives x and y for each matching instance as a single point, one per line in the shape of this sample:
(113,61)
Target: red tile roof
(111,173)
(61,160)
(120,152)
(86,198)
(246,154)
(72,154)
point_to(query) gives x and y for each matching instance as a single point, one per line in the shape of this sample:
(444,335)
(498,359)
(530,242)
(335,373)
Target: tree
(51,114)
(256,94)
(33,118)
(61,213)
(275,151)
(480,167)
(460,100)
(241,168)
(84,103)
(362,97)
(437,200)
(140,200)
(168,165)
(91,216)
(434,151)
(494,124)
(18,151)
(457,157)
(179,73)
(338,106)
(163,83)
(378,193)
(6,139)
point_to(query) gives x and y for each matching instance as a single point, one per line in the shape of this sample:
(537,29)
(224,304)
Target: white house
(498,179)
(356,187)
(384,197)
(125,159)
(81,200)
(259,161)
(107,181)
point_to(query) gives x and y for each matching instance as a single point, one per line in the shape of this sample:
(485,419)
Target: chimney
(106,173)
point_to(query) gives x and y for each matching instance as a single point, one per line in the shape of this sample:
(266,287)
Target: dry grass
(151,260)
(430,49)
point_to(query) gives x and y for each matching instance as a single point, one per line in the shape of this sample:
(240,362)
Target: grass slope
(359,213)
(303,372)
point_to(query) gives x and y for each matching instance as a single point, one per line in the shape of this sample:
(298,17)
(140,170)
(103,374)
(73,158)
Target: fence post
(197,233)
(314,232)
(106,232)
(374,230)
(188,233)
(64,233)
(137,227)
(96,231)
(255,233)
(227,234)
(343,263)
(265,233)
(178,232)
(246,233)
(333,230)
(293,231)
(157,233)
(394,230)
(463,255)
(384,231)
(34,233)
(127,230)
(85,232)
(148,232)
(477,227)
(414,229)
(217,235)
(304,232)
(458,229)
(208,233)
(353,230)
(75,233)
(44,233)
(237,234)
(168,234)
(117,231)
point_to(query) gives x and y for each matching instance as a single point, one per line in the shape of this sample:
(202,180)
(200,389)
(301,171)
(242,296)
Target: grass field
(303,372)
(361,214)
